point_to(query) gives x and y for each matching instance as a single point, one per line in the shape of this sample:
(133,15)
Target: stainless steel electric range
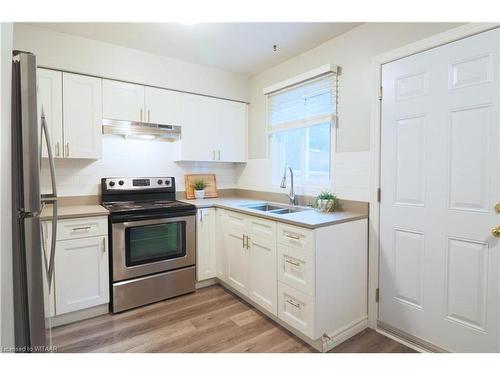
(152,241)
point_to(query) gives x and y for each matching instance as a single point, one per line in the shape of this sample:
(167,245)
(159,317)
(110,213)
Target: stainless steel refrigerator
(33,258)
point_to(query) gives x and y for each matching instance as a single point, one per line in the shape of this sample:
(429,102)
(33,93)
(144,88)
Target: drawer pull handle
(292,262)
(82,228)
(297,305)
(293,236)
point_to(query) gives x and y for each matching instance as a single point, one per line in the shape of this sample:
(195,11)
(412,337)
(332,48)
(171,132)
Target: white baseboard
(345,333)
(75,316)
(205,283)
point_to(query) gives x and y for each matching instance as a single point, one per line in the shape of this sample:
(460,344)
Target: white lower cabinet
(251,258)
(296,268)
(312,280)
(220,246)
(261,244)
(296,308)
(236,252)
(205,244)
(81,268)
(81,273)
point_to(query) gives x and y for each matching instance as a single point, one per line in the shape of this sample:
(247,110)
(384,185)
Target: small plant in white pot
(199,189)
(326,202)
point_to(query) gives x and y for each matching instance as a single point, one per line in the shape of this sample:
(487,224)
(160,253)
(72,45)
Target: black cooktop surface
(154,205)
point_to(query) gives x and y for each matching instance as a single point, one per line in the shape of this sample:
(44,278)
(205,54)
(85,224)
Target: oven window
(152,243)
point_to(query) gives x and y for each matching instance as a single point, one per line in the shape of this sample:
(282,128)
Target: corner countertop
(74,211)
(310,218)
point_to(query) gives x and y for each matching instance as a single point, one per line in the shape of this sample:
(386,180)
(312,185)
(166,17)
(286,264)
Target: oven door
(145,247)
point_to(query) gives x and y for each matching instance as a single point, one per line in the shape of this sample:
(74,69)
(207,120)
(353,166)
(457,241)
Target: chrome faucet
(291,194)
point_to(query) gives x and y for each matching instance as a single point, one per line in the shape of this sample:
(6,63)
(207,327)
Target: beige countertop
(74,211)
(308,218)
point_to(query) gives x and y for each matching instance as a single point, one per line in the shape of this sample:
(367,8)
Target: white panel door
(262,271)
(81,274)
(205,244)
(198,128)
(231,131)
(237,254)
(162,106)
(82,116)
(439,261)
(122,101)
(49,87)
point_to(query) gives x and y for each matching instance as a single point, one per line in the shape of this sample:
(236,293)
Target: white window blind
(299,120)
(303,105)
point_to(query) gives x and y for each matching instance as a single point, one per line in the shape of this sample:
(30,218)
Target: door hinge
(380,93)
(379,195)
(377,295)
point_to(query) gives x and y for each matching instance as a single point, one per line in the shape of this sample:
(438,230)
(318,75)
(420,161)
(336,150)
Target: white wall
(353,52)
(82,55)
(6,293)
(131,158)
(120,157)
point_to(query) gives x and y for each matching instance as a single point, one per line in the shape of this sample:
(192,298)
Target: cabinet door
(262,275)
(231,131)
(220,244)
(49,88)
(122,101)
(237,254)
(82,116)
(81,273)
(198,124)
(205,244)
(162,106)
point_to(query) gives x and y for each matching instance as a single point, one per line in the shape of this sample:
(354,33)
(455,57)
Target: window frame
(306,187)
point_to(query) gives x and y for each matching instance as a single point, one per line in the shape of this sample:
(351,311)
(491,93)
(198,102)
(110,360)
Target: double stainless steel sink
(272,208)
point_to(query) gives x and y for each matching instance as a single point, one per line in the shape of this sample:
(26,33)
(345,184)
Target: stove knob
(160,182)
(111,183)
(121,182)
(167,182)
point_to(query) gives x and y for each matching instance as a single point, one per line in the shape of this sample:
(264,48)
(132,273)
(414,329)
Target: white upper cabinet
(49,88)
(123,101)
(162,106)
(231,129)
(213,129)
(198,123)
(82,116)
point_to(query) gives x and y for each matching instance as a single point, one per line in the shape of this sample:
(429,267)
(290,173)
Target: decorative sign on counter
(209,179)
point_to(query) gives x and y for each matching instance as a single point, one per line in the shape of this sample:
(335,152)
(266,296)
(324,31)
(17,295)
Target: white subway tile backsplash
(123,157)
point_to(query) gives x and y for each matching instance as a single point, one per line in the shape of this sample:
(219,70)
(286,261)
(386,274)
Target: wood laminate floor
(209,320)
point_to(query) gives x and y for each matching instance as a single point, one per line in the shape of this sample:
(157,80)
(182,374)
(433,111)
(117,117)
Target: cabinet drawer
(82,227)
(296,268)
(295,237)
(296,309)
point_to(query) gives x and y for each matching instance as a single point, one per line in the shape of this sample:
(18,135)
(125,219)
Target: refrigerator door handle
(51,199)
(53,196)
(50,261)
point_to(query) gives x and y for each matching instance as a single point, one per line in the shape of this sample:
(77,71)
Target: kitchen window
(300,119)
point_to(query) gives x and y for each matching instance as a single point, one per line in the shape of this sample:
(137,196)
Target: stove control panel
(138,183)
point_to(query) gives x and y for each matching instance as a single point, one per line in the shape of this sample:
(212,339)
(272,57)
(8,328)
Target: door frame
(378,61)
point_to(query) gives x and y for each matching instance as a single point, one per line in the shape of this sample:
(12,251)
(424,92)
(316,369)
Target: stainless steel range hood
(141,130)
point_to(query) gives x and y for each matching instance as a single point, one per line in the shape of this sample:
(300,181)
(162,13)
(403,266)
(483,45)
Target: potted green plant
(326,202)
(199,189)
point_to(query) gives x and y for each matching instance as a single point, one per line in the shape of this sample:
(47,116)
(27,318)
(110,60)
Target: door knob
(496,231)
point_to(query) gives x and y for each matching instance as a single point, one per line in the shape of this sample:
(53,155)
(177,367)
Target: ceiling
(245,48)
